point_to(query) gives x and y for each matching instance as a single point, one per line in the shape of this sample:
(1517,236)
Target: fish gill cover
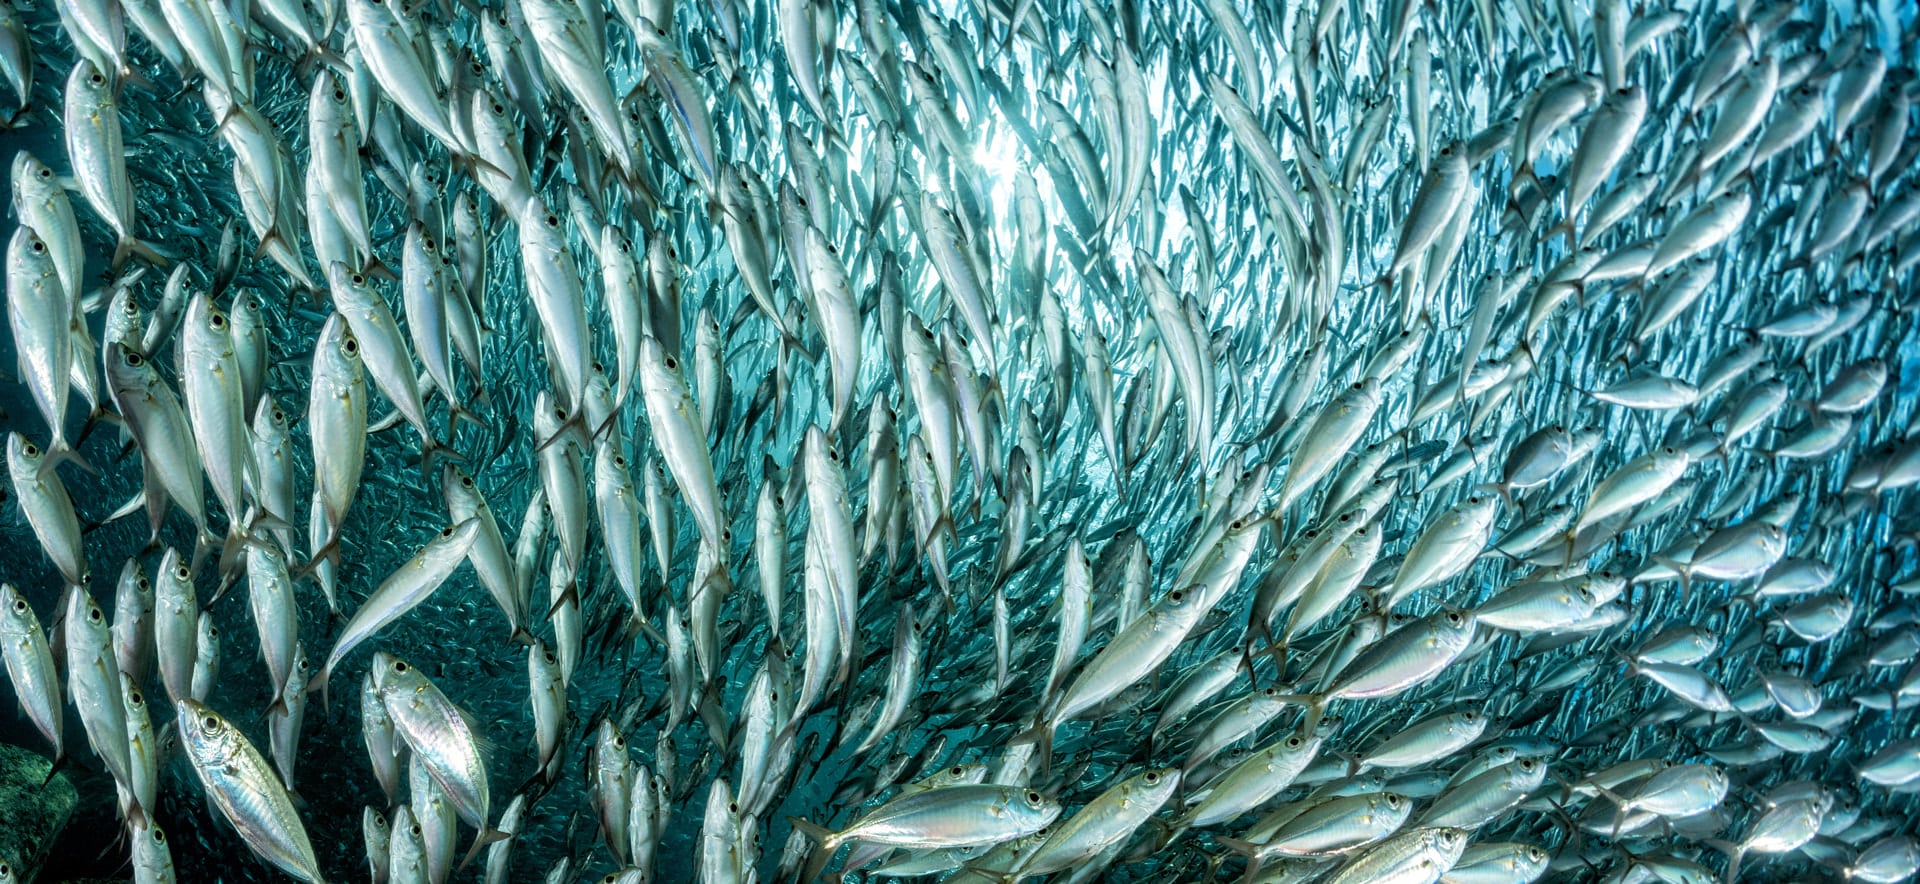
(548,440)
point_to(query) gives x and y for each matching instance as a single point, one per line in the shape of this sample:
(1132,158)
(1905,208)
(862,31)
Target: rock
(31,813)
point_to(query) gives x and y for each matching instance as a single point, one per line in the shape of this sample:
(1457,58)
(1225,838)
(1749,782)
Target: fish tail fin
(570,594)
(829,842)
(1620,811)
(1247,849)
(459,412)
(319,683)
(100,414)
(60,453)
(321,55)
(131,76)
(131,247)
(328,553)
(481,839)
(1735,853)
(377,269)
(1505,491)
(433,450)
(1316,710)
(60,760)
(1041,738)
(1566,226)
(1277,652)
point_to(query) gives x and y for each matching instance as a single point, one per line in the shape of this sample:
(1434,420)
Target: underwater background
(1298,269)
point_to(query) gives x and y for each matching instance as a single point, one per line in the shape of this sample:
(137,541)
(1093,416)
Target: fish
(440,739)
(405,589)
(997,440)
(246,791)
(30,668)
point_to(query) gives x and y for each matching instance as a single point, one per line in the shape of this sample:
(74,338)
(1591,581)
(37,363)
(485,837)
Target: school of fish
(984,441)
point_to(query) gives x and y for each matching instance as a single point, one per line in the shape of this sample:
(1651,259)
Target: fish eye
(1526,764)
(619,742)
(181,572)
(339,94)
(466,481)
(213,632)
(96,79)
(1177,596)
(1293,742)
(39,248)
(552,220)
(548,658)
(357,280)
(956,770)
(19,606)
(733,808)
(1271,692)
(46,174)
(210,724)
(30,450)
(672,363)
(135,698)
(1453,617)
(447,531)
(1152,778)
(499,109)
(218,321)
(400,666)
(94,615)
(1394,801)
(1034,798)
(1469,717)
(159,837)
(414,829)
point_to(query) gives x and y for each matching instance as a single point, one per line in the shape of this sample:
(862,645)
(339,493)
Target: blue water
(182,175)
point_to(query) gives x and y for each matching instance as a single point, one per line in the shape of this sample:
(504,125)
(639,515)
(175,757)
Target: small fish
(241,785)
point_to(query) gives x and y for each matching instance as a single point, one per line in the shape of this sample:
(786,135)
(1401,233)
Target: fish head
(203,730)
